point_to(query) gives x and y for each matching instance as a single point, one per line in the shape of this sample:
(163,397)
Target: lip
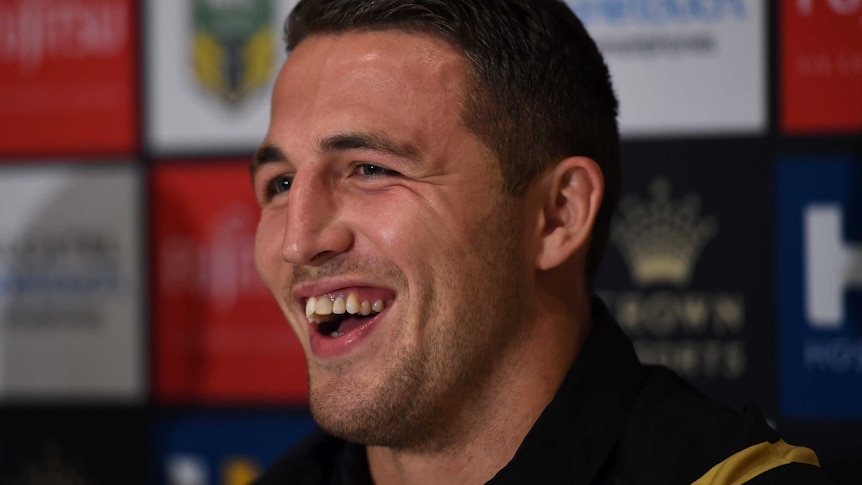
(326,347)
(302,292)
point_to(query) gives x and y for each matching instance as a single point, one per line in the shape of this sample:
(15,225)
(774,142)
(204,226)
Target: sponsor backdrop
(683,67)
(689,272)
(218,334)
(69,77)
(820,282)
(137,344)
(236,447)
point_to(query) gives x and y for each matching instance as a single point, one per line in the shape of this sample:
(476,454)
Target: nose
(314,228)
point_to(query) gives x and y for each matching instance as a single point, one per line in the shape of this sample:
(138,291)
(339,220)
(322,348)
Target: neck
(493,424)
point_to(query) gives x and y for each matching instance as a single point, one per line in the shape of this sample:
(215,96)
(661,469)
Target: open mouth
(335,315)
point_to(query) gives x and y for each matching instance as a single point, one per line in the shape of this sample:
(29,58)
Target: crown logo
(661,239)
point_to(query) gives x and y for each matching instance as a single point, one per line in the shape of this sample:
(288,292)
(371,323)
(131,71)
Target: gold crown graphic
(661,239)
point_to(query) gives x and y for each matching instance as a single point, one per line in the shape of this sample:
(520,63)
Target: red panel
(218,334)
(821,65)
(67,77)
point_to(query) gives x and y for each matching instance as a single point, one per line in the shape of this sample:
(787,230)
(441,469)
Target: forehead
(381,80)
(386,53)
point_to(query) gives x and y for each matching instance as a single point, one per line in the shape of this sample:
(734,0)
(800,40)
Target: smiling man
(436,188)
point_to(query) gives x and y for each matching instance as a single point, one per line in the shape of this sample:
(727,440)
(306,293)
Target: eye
(278,185)
(373,171)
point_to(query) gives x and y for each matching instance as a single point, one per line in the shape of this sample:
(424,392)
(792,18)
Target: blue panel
(820,343)
(210,447)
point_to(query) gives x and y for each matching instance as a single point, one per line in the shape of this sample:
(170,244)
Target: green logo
(233,48)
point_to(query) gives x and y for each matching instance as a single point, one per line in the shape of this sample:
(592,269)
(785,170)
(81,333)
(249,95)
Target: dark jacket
(613,421)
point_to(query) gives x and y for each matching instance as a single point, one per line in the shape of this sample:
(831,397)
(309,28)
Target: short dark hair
(540,90)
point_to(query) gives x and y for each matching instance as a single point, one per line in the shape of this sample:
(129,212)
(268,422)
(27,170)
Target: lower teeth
(335,334)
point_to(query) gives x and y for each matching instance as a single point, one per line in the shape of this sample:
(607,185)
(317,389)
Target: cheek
(391,236)
(267,248)
(385,220)
(410,224)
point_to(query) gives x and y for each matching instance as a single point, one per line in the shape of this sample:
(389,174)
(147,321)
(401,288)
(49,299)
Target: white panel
(683,67)
(182,115)
(70,282)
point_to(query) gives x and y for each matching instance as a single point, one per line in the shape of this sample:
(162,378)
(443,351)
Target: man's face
(373,191)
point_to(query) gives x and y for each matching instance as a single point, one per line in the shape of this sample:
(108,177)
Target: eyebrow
(266,154)
(375,142)
(342,142)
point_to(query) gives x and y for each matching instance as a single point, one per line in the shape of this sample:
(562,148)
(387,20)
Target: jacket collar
(577,433)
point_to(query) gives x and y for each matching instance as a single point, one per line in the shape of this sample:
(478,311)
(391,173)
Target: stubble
(431,387)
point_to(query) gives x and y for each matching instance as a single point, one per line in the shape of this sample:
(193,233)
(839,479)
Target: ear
(576,187)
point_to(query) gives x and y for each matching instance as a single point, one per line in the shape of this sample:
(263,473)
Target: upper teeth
(320,309)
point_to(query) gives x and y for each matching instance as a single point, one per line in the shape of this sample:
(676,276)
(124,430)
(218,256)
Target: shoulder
(312,461)
(675,434)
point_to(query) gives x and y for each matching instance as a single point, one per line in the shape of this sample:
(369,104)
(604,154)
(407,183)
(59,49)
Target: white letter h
(831,266)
